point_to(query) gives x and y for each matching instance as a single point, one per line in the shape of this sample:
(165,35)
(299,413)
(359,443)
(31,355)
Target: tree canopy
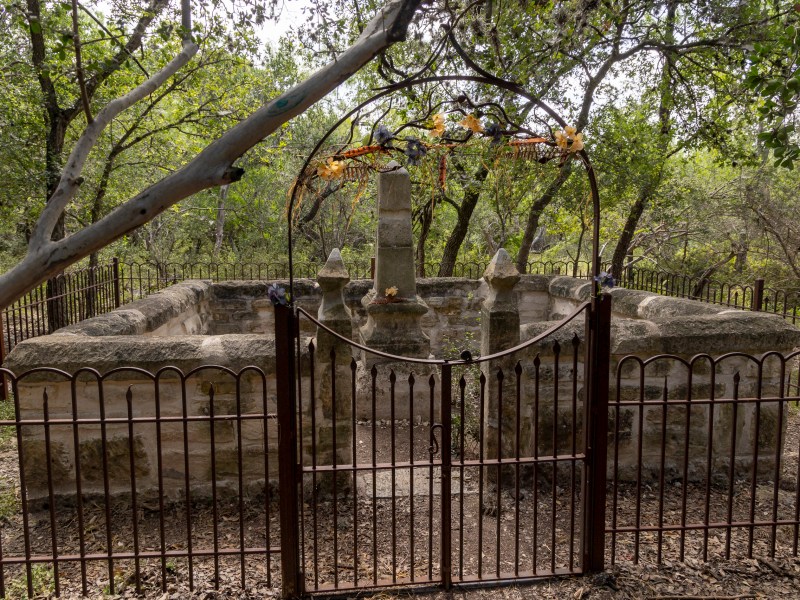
(175,133)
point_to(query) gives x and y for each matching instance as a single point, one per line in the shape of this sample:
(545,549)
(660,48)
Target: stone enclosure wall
(229,324)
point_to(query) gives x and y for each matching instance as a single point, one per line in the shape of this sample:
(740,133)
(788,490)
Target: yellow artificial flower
(562,141)
(391,291)
(438,125)
(334,169)
(577,143)
(471,123)
(569,140)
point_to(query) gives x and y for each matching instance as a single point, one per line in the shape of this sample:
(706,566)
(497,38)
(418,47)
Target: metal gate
(410,471)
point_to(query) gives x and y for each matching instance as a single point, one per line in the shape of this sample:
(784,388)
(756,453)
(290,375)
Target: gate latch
(434,447)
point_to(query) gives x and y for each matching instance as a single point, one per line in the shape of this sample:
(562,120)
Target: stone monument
(394,311)
(393,307)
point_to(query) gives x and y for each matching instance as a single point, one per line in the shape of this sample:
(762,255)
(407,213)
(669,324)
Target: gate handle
(434,447)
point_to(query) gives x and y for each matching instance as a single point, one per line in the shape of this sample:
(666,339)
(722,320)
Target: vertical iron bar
(753,482)
(776,479)
(335,473)
(3,390)
(187,482)
(431,421)
(661,478)
(212,425)
(134,504)
(446,558)
(758,295)
(160,467)
(554,504)
(353,367)
(517,454)
(481,455)
(710,458)
(732,467)
(106,486)
(411,528)
(314,511)
(79,484)
(287,455)
(537,364)
(50,494)
(393,445)
(240,473)
(462,384)
(597,427)
(374,378)
(685,483)
(115,274)
(499,486)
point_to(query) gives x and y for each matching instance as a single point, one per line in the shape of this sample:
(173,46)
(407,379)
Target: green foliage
(42,581)
(774,77)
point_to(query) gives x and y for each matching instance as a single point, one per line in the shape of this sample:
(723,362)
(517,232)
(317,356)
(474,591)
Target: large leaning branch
(211,168)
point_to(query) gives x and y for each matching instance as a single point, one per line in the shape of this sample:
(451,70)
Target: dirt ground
(397,535)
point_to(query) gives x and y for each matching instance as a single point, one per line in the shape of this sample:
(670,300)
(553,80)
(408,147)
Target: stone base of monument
(393,326)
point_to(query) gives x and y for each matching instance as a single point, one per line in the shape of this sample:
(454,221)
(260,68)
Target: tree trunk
(650,187)
(425,220)
(459,233)
(535,214)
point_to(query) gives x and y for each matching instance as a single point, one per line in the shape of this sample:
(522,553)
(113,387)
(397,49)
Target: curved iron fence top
(442,361)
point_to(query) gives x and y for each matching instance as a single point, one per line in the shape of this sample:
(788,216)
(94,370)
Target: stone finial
(334,274)
(332,278)
(501,275)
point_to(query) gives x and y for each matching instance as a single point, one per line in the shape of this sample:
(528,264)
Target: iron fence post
(758,295)
(3,391)
(291,579)
(446,558)
(115,272)
(599,352)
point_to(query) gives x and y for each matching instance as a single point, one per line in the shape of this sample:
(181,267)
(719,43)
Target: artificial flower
(569,140)
(495,132)
(334,169)
(438,125)
(383,135)
(391,291)
(415,151)
(471,123)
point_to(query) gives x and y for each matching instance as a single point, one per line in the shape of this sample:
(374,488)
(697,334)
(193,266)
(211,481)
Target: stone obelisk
(393,307)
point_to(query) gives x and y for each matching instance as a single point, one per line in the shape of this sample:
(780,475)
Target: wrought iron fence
(138,479)
(704,458)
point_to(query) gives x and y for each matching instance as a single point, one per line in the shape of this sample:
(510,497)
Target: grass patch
(7,433)
(41,579)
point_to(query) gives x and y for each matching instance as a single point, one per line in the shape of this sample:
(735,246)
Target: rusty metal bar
(758,295)
(446,552)
(597,440)
(292,583)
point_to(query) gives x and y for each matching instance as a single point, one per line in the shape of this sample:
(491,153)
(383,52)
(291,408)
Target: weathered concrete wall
(228,437)
(646,325)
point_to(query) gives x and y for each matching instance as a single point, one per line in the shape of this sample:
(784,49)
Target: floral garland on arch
(356,164)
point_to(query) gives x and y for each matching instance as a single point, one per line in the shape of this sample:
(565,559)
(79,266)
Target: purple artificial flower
(605,280)
(277,295)
(415,151)
(382,135)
